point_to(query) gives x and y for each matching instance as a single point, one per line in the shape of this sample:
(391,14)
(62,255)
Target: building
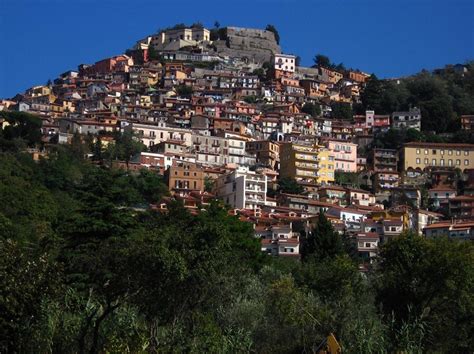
(174,39)
(345,155)
(461,206)
(284,63)
(185,176)
(454,229)
(419,156)
(242,188)
(367,245)
(267,152)
(300,161)
(467,123)
(326,167)
(407,120)
(384,160)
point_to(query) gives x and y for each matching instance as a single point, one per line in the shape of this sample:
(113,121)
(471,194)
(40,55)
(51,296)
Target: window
(466,162)
(433,162)
(434,152)
(426,161)
(417,151)
(458,162)
(450,152)
(458,152)
(441,152)
(367,244)
(441,162)
(426,151)
(466,153)
(450,162)
(418,161)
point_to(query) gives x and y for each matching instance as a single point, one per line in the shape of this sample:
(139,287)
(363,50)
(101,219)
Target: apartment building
(407,120)
(151,135)
(242,188)
(419,156)
(345,155)
(300,161)
(185,176)
(267,152)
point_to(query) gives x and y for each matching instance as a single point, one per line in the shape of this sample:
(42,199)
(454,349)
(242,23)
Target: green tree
(322,60)
(272,28)
(341,110)
(22,127)
(371,96)
(290,186)
(322,242)
(312,109)
(431,280)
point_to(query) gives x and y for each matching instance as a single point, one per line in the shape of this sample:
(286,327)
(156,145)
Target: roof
(438,145)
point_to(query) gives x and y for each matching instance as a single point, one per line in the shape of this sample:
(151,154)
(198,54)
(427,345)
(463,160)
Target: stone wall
(254,44)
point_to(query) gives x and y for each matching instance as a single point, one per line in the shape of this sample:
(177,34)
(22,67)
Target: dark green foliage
(341,110)
(322,242)
(442,99)
(290,186)
(322,60)
(23,129)
(250,99)
(86,266)
(312,109)
(184,90)
(432,280)
(273,29)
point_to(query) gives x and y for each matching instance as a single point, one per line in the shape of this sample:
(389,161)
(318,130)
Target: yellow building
(326,166)
(421,156)
(306,162)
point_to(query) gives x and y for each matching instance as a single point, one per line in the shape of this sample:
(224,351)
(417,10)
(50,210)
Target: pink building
(345,155)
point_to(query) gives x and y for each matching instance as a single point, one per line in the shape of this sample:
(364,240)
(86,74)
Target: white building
(243,189)
(284,62)
(151,135)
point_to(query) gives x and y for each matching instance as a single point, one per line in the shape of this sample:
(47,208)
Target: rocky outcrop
(255,45)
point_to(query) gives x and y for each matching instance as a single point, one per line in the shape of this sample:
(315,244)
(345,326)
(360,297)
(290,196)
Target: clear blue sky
(39,39)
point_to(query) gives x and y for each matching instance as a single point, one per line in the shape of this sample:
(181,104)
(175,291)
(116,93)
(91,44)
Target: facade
(326,167)
(384,160)
(285,63)
(422,156)
(299,161)
(345,155)
(242,189)
(407,120)
(185,176)
(267,152)
(461,206)
(467,123)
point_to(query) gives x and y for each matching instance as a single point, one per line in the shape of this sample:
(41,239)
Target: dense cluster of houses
(222,127)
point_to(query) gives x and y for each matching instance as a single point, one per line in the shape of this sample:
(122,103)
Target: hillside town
(224,114)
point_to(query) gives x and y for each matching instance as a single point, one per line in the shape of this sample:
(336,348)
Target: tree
(322,61)
(372,94)
(341,110)
(322,242)
(290,186)
(184,90)
(272,28)
(23,127)
(153,53)
(217,25)
(312,109)
(432,280)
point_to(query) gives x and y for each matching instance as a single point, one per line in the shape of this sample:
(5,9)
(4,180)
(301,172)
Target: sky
(39,39)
